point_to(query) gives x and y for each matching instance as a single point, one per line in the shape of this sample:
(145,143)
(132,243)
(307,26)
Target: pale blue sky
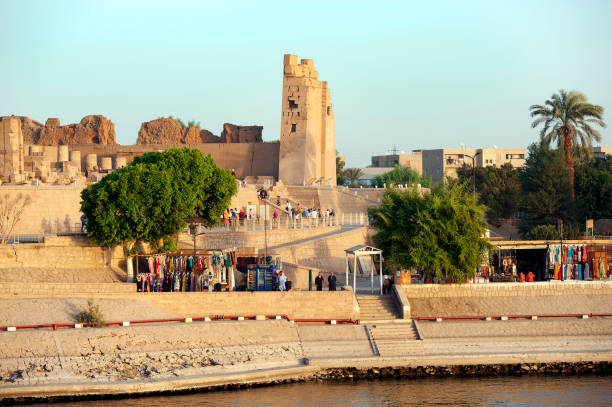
(424,74)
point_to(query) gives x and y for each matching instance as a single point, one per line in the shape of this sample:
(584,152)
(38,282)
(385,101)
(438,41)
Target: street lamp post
(473,169)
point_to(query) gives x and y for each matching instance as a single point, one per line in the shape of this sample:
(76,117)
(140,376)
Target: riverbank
(134,361)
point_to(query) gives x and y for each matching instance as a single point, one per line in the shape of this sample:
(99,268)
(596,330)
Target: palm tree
(352,174)
(567,119)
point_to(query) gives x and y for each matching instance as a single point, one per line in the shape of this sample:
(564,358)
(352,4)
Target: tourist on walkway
(319,282)
(331,280)
(282,279)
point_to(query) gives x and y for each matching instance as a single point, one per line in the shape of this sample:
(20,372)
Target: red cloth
(530,277)
(522,277)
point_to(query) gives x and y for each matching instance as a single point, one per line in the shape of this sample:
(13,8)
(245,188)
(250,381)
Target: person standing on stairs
(331,280)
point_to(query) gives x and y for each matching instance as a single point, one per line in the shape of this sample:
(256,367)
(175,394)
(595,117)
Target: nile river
(582,391)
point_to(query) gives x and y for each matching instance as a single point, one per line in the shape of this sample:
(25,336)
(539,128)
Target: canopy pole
(380,271)
(355,273)
(346,268)
(372,278)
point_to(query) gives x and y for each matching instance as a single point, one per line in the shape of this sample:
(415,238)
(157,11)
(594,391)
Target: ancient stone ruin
(170,131)
(93,129)
(84,152)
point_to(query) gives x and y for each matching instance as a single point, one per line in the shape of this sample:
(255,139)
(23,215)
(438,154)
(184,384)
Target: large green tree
(400,176)
(546,189)
(594,189)
(567,119)
(499,188)
(151,198)
(440,233)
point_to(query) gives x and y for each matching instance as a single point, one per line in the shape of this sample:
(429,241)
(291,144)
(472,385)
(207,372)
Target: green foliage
(340,177)
(499,188)
(543,232)
(91,315)
(568,114)
(272,141)
(594,189)
(151,197)
(352,175)
(567,119)
(546,189)
(440,233)
(400,176)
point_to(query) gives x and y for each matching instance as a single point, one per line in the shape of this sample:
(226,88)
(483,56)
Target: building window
(292,104)
(328,110)
(293,128)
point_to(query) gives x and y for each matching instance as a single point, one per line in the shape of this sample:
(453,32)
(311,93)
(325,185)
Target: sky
(410,74)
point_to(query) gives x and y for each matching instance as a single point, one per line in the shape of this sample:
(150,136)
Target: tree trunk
(567,143)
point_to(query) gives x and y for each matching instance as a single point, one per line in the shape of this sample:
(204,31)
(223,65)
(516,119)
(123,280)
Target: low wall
(46,290)
(294,304)
(508,289)
(498,299)
(299,275)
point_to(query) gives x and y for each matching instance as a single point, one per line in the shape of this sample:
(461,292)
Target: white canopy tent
(363,251)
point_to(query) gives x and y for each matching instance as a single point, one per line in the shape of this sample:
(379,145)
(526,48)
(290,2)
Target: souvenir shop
(550,261)
(206,270)
(508,262)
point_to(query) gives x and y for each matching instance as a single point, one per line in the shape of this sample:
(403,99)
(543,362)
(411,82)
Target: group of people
(331,281)
(233,216)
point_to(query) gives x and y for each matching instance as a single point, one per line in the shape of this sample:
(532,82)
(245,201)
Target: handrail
(186,320)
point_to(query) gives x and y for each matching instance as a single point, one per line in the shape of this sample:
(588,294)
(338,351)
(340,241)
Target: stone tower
(11,150)
(307,141)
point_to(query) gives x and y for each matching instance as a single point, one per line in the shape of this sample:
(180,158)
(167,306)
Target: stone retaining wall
(44,290)
(508,289)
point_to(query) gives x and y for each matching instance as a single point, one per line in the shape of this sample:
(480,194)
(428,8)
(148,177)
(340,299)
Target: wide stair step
(395,339)
(377,307)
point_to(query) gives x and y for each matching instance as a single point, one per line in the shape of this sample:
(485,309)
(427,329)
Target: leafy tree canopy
(545,188)
(440,233)
(151,197)
(499,188)
(400,176)
(594,189)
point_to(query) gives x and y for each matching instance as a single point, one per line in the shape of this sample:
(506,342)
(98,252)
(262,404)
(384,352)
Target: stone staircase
(377,308)
(395,339)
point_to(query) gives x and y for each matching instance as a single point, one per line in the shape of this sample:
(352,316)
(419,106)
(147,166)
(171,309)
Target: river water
(583,391)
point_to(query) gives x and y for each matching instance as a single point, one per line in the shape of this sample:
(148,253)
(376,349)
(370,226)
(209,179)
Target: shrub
(91,315)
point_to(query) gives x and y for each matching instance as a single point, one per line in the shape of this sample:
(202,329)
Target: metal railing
(287,222)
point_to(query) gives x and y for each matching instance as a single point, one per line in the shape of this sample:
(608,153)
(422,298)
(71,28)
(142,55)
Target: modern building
(441,163)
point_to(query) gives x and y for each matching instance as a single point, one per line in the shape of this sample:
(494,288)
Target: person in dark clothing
(319,282)
(331,280)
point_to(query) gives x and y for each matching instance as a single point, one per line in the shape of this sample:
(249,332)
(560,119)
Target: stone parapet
(508,289)
(38,290)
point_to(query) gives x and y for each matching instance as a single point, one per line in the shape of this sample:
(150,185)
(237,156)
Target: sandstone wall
(496,299)
(327,253)
(170,131)
(59,260)
(254,238)
(294,304)
(54,209)
(57,208)
(247,159)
